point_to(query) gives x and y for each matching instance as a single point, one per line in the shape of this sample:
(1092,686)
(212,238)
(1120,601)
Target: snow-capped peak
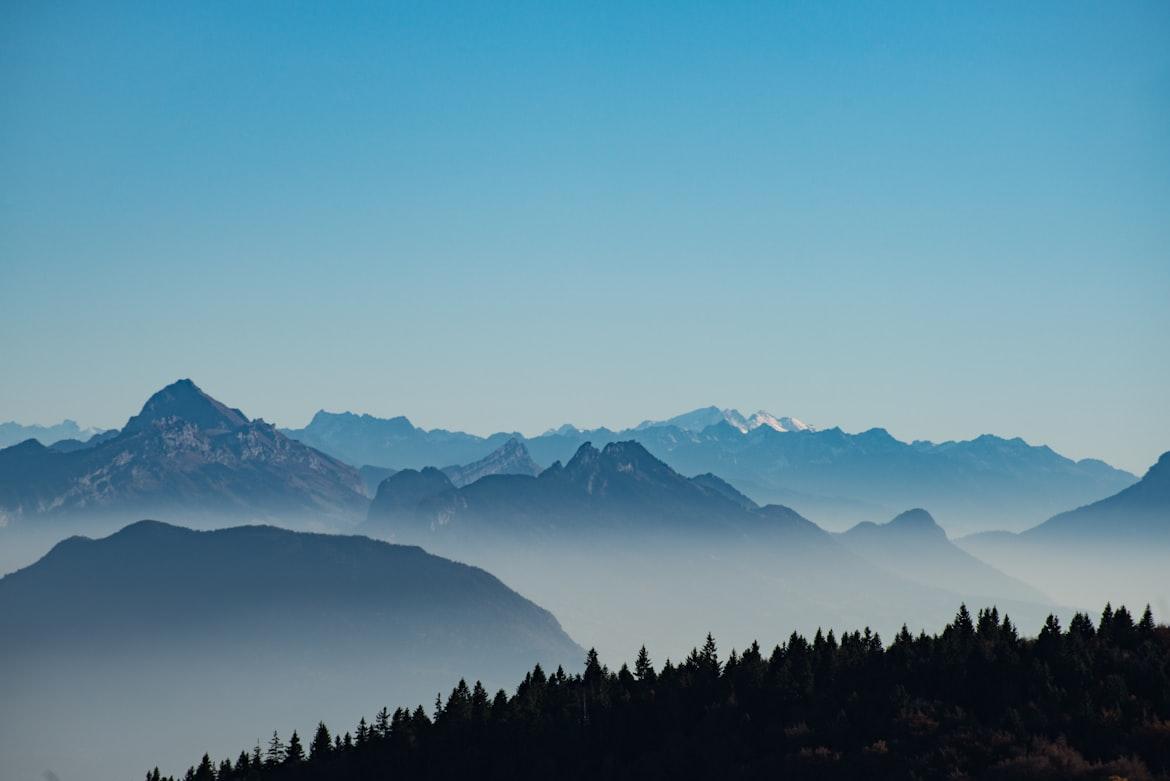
(699,419)
(764,418)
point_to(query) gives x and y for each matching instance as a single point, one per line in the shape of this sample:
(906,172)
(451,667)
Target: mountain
(624,549)
(404,490)
(70,445)
(913,545)
(184,455)
(1140,513)
(12,433)
(702,418)
(1122,541)
(393,442)
(511,458)
(192,638)
(837,477)
(621,487)
(372,477)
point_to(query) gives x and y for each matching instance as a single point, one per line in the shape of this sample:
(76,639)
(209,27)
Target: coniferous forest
(1084,701)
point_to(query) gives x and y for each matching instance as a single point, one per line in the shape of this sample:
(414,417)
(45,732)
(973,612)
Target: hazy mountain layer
(12,433)
(623,547)
(159,634)
(511,458)
(838,478)
(1116,548)
(913,545)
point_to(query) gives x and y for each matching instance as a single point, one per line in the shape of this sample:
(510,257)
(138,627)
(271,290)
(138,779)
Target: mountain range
(218,631)
(185,455)
(12,433)
(615,522)
(1115,548)
(838,478)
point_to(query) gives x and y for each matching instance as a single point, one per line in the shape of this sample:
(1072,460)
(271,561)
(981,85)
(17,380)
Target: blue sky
(944,219)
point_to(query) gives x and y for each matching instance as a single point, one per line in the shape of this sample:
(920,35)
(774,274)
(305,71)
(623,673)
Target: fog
(80,707)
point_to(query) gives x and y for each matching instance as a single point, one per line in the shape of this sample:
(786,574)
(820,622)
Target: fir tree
(322,744)
(275,754)
(1146,625)
(294,754)
(643,668)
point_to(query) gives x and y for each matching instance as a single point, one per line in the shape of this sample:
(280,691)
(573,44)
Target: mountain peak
(699,419)
(917,519)
(184,400)
(510,458)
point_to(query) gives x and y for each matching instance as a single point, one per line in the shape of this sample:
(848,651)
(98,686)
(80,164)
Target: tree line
(1090,700)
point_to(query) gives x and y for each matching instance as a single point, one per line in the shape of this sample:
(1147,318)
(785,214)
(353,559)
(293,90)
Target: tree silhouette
(322,744)
(275,754)
(294,754)
(975,701)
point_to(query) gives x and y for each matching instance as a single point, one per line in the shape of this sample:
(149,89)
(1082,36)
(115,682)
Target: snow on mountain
(785,423)
(699,419)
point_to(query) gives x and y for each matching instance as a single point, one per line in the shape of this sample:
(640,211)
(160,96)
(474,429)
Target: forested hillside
(977,701)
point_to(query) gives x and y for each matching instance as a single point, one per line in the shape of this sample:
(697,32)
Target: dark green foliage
(976,701)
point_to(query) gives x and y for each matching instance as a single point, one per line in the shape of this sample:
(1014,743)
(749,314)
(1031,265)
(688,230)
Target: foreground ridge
(976,701)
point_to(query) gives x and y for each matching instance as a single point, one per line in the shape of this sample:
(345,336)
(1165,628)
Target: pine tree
(592,668)
(295,753)
(205,771)
(1146,625)
(1008,631)
(1081,627)
(242,765)
(363,733)
(479,702)
(322,744)
(382,723)
(275,753)
(1105,628)
(643,668)
(709,657)
(963,626)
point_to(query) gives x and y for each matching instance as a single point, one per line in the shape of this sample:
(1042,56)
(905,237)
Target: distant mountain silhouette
(835,477)
(619,488)
(276,623)
(617,542)
(271,583)
(70,445)
(511,458)
(1139,513)
(403,491)
(184,454)
(1115,548)
(12,433)
(918,548)
(372,477)
(391,442)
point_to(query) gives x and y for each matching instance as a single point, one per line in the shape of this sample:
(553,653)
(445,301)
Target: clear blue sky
(940,218)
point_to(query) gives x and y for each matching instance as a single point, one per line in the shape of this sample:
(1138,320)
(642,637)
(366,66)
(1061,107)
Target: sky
(943,219)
